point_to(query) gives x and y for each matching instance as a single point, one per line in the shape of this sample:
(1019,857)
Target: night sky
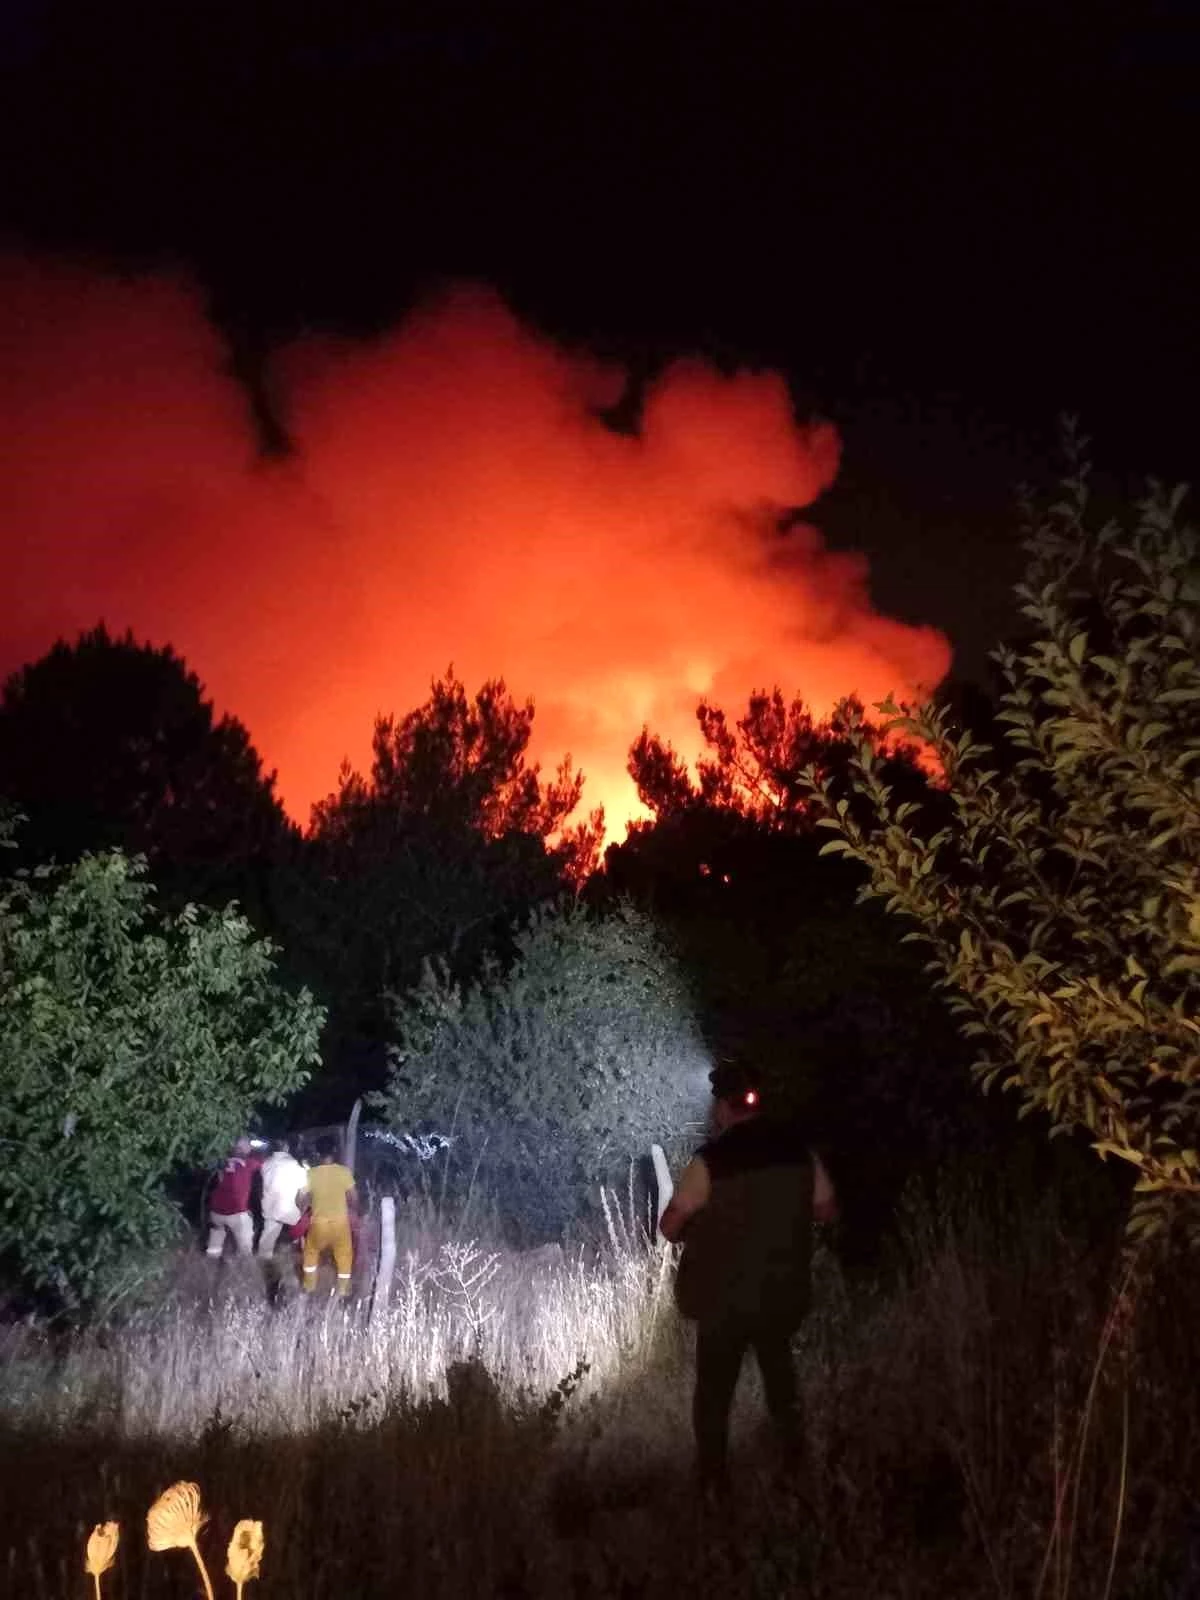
(942,232)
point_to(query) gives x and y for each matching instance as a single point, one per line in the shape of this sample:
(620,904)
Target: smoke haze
(454,497)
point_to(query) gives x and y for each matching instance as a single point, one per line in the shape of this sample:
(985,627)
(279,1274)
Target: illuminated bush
(131,1042)
(552,1071)
(1059,891)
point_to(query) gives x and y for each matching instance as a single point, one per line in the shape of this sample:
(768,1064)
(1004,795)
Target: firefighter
(333,1200)
(744,1210)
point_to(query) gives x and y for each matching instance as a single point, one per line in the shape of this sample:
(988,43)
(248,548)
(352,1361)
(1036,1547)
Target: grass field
(518,1425)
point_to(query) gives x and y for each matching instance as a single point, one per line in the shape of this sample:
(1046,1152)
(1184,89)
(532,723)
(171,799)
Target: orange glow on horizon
(454,498)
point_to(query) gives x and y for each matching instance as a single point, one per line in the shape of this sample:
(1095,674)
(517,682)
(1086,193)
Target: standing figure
(229,1203)
(283,1180)
(332,1197)
(744,1209)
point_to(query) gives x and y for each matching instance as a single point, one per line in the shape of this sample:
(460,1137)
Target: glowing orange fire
(455,497)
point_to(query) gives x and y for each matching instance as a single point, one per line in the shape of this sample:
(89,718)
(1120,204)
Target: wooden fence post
(386,1268)
(663,1184)
(350,1138)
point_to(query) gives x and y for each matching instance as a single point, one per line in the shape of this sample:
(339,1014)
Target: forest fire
(456,495)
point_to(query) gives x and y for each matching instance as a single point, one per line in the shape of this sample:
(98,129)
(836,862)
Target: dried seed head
(175,1518)
(245,1551)
(102,1548)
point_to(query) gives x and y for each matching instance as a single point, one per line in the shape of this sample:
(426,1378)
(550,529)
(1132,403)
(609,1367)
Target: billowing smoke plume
(455,497)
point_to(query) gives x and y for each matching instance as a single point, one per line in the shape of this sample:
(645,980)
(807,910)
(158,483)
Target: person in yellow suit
(332,1197)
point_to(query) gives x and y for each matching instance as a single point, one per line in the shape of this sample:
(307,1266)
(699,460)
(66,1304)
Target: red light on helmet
(750,1097)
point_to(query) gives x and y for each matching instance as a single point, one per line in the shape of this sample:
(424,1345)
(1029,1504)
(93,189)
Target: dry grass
(287,1368)
(458,1446)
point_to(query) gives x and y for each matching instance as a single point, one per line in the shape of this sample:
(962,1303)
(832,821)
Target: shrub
(131,1042)
(1060,888)
(555,1070)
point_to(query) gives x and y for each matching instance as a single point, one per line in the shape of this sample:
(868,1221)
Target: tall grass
(216,1346)
(519,1425)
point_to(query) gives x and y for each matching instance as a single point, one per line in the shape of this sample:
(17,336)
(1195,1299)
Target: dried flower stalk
(245,1553)
(174,1522)
(101,1551)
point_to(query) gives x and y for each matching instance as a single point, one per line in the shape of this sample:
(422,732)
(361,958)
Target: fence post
(350,1138)
(663,1184)
(386,1268)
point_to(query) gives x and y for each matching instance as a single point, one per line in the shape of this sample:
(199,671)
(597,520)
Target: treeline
(425,875)
(451,835)
(477,966)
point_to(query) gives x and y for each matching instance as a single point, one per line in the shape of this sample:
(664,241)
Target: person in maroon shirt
(229,1203)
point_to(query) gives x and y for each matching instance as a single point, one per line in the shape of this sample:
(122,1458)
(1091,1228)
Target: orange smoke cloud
(454,497)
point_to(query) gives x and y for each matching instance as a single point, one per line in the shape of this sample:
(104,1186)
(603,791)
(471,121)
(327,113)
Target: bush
(131,1042)
(1060,888)
(551,1073)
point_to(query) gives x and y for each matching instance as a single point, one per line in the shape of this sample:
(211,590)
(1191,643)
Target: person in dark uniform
(744,1210)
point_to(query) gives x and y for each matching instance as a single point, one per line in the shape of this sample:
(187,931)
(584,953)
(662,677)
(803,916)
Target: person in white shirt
(283,1179)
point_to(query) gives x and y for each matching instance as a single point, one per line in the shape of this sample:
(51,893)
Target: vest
(748,1254)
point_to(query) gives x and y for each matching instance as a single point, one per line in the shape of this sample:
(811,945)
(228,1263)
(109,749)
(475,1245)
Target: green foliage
(1059,883)
(553,1071)
(131,1042)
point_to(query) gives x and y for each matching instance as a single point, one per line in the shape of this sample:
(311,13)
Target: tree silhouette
(107,742)
(460,764)
(755,766)
(451,835)
(795,978)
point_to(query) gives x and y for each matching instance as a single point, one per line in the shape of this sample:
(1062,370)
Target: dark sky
(946,224)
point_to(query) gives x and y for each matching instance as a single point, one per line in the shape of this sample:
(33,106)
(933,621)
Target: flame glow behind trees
(455,495)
